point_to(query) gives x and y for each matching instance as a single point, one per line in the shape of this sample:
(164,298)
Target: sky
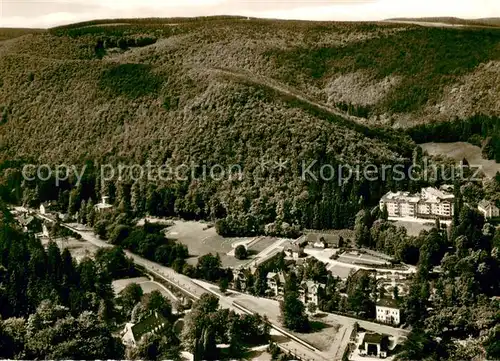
(43,14)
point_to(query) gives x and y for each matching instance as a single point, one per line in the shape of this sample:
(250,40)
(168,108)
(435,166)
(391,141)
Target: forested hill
(230,90)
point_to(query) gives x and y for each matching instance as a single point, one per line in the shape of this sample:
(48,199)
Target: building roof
(485,204)
(388,302)
(281,277)
(294,248)
(276,276)
(373,338)
(401,196)
(49,204)
(309,285)
(27,220)
(428,195)
(103,205)
(149,324)
(271,275)
(376,338)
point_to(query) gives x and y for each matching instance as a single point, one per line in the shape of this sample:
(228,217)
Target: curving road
(299,348)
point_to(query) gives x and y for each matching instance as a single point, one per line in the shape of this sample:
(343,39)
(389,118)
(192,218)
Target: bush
(241,252)
(100,229)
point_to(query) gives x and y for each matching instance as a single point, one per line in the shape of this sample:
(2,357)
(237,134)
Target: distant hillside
(453,21)
(236,91)
(11,33)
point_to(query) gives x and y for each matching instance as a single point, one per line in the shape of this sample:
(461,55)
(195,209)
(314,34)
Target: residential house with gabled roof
(133,333)
(388,311)
(374,344)
(276,283)
(47,207)
(294,251)
(323,240)
(488,209)
(309,292)
(104,205)
(241,275)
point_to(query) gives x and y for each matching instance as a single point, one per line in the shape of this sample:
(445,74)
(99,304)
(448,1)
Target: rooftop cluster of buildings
(429,203)
(308,290)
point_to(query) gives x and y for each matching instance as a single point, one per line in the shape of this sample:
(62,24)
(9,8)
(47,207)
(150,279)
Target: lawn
(201,238)
(261,244)
(460,150)
(355,258)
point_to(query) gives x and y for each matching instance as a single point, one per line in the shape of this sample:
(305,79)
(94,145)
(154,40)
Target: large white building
(388,311)
(429,203)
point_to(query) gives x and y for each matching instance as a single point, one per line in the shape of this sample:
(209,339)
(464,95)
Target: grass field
(202,239)
(413,228)
(341,271)
(355,258)
(322,334)
(461,150)
(261,244)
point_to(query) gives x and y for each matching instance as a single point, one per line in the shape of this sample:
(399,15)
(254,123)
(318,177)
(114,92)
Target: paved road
(196,288)
(190,287)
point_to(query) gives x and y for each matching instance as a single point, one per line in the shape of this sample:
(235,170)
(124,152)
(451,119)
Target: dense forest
(222,92)
(226,91)
(51,306)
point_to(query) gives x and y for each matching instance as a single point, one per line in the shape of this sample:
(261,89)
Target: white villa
(309,292)
(104,205)
(276,283)
(488,209)
(388,311)
(429,203)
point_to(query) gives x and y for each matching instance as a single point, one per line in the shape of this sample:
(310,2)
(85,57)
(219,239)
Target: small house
(374,345)
(241,275)
(294,251)
(104,205)
(324,240)
(133,333)
(309,292)
(488,209)
(276,283)
(47,207)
